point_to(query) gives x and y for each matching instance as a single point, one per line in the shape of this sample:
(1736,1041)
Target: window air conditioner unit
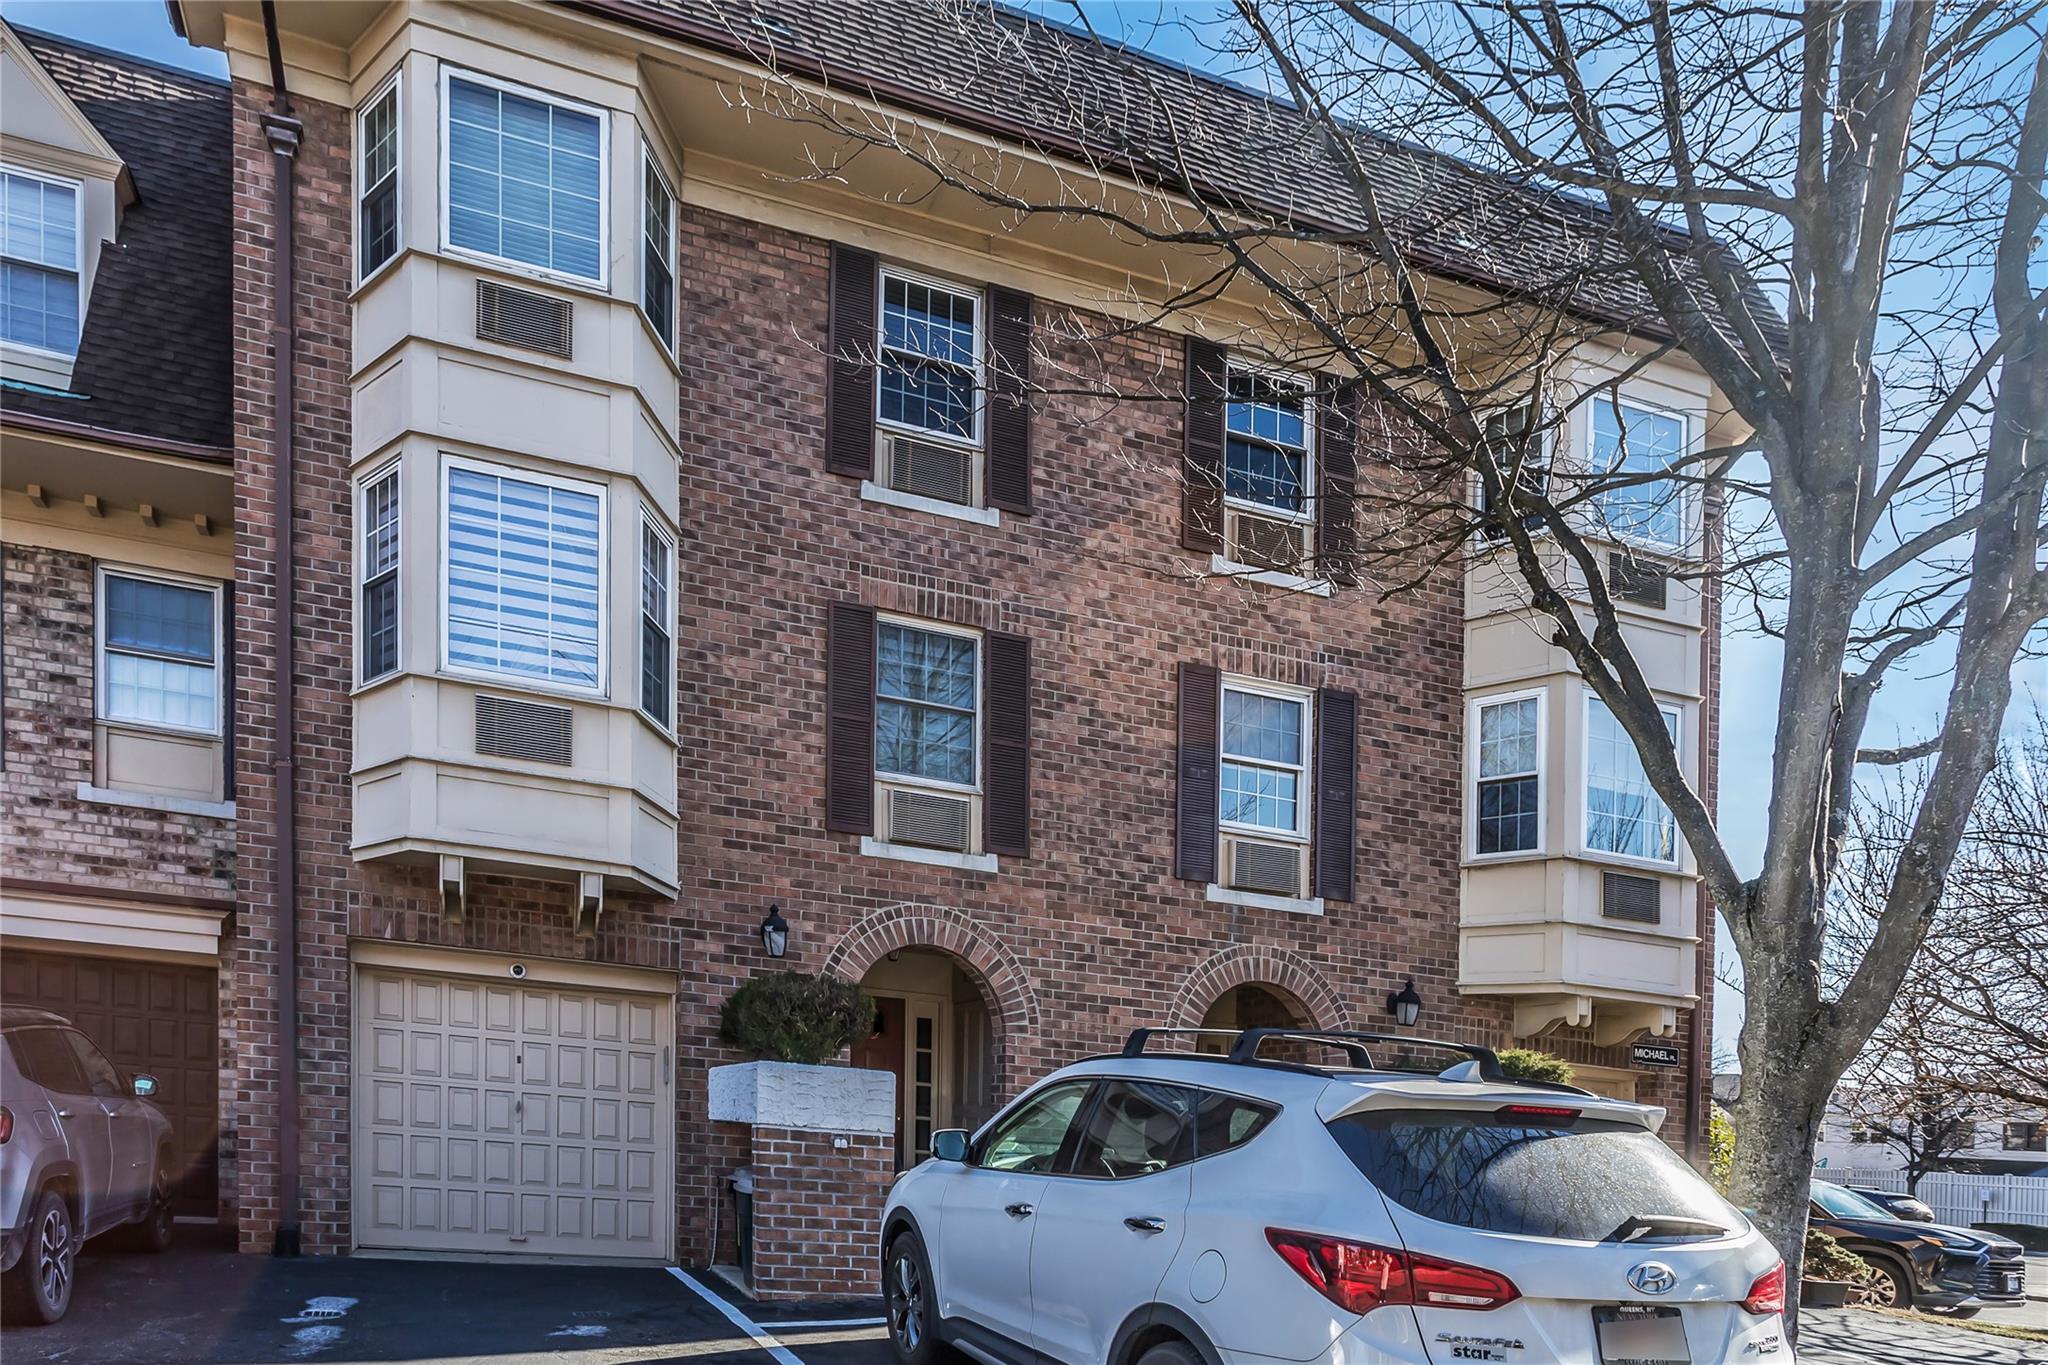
(930,819)
(1264,543)
(1272,869)
(929,469)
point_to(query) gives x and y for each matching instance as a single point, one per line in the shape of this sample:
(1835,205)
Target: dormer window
(39,262)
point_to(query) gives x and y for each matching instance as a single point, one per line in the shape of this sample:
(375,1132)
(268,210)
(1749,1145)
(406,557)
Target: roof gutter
(133,440)
(282,132)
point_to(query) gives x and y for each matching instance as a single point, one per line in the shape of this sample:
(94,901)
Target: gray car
(82,1152)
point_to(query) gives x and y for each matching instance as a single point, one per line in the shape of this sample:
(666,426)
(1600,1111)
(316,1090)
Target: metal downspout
(282,131)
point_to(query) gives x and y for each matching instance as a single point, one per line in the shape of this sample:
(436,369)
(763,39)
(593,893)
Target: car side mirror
(950,1144)
(144,1086)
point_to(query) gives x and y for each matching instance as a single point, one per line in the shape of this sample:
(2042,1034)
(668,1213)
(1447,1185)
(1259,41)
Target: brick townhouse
(674,542)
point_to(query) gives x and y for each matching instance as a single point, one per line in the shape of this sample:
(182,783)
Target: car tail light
(1541,1113)
(6,1124)
(1767,1295)
(1360,1278)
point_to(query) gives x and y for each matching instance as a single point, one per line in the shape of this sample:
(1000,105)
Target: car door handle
(63,1113)
(1019,1210)
(1145,1224)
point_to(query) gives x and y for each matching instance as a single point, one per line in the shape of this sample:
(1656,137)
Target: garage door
(148,1017)
(506,1117)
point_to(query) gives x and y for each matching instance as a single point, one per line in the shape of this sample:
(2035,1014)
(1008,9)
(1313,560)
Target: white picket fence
(1962,1200)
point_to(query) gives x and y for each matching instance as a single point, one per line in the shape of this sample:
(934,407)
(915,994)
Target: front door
(990,1210)
(1108,1231)
(912,1042)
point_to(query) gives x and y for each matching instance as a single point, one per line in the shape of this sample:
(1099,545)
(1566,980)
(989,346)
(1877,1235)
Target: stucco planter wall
(804,1099)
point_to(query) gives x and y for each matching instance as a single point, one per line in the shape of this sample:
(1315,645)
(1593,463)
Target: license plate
(2011,1284)
(1640,1334)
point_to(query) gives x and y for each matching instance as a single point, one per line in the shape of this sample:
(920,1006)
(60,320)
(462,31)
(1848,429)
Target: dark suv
(1922,1265)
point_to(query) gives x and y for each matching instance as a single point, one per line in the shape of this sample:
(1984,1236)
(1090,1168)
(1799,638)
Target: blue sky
(1905,710)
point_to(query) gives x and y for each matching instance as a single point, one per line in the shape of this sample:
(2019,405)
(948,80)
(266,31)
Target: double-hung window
(1264,776)
(1633,441)
(523,593)
(657,648)
(658,251)
(1508,816)
(39,262)
(159,656)
(1522,457)
(1268,470)
(377,181)
(1623,814)
(377,558)
(525,177)
(930,358)
(927,698)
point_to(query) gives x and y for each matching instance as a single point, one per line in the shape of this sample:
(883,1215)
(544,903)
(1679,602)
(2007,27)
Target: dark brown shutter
(1201,499)
(1337,494)
(1194,833)
(227,691)
(1006,731)
(850,397)
(1336,812)
(850,719)
(1009,405)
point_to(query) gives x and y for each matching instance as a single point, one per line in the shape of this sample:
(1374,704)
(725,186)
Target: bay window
(39,267)
(377,181)
(1630,439)
(523,589)
(159,652)
(1509,797)
(658,251)
(525,177)
(927,699)
(657,646)
(1264,771)
(377,567)
(1623,814)
(1523,457)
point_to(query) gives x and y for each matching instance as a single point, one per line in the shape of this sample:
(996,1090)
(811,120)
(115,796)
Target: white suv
(1181,1208)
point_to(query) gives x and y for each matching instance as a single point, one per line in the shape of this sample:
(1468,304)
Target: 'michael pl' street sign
(1653,1054)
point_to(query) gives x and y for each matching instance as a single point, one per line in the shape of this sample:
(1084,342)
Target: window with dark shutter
(1194,840)
(850,395)
(1336,815)
(850,718)
(1006,816)
(1201,507)
(1336,503)
(1009,407)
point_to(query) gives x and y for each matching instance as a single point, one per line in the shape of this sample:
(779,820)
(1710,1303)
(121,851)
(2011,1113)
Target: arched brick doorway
(1242,986)
(955,1009)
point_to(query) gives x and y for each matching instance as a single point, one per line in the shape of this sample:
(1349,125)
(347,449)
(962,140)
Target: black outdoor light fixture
(775,932)
(1405,1005)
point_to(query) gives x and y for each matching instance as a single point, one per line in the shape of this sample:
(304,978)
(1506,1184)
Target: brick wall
(816,1208)
(1088,937)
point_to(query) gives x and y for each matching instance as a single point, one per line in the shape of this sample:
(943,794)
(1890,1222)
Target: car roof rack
(1480,1063)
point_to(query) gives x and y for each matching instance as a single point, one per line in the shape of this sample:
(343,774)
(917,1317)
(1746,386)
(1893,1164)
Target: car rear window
(1583,1181)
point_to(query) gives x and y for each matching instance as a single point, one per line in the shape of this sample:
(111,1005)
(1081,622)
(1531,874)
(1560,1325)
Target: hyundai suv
(82,1152)
(1245,1207)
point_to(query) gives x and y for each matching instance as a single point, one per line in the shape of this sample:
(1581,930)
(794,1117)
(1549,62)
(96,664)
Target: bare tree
(1833,209)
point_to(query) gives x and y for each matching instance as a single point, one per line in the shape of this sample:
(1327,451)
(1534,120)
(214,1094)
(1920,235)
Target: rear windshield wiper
(1640,1225)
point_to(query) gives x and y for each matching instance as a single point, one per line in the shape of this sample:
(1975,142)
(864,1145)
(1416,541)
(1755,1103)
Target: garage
(158,1018)
(497,1111)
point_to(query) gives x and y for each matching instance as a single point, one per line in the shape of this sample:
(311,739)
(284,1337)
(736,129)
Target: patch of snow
(323,1309)
(309,1341)
(581,1329)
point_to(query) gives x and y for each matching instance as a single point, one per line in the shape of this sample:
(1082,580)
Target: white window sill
(870,491)
(170,805)
(931,857)
(1254,900)
(1228,568)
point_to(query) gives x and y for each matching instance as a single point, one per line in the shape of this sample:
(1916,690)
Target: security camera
(518,970)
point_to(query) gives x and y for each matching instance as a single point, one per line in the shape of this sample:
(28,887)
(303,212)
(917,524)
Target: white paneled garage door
(503,1116)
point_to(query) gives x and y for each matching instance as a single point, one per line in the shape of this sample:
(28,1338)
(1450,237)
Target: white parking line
(782,1354)
(835,1322)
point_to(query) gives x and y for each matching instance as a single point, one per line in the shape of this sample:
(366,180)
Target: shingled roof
(1010,73)
(155,357)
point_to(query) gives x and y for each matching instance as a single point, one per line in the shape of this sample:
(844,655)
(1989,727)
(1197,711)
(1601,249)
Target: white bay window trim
(1475,777)
(654,536)
(1674,721)
(370,573)
(1683,503)
(665,249)
(104,648)
(450,466)
(1303,789)
(601,281)
(364,189)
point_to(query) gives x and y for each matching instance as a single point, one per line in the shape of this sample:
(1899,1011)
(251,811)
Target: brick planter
(822,1144)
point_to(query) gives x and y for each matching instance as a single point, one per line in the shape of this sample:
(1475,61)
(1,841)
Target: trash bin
(743,1217)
